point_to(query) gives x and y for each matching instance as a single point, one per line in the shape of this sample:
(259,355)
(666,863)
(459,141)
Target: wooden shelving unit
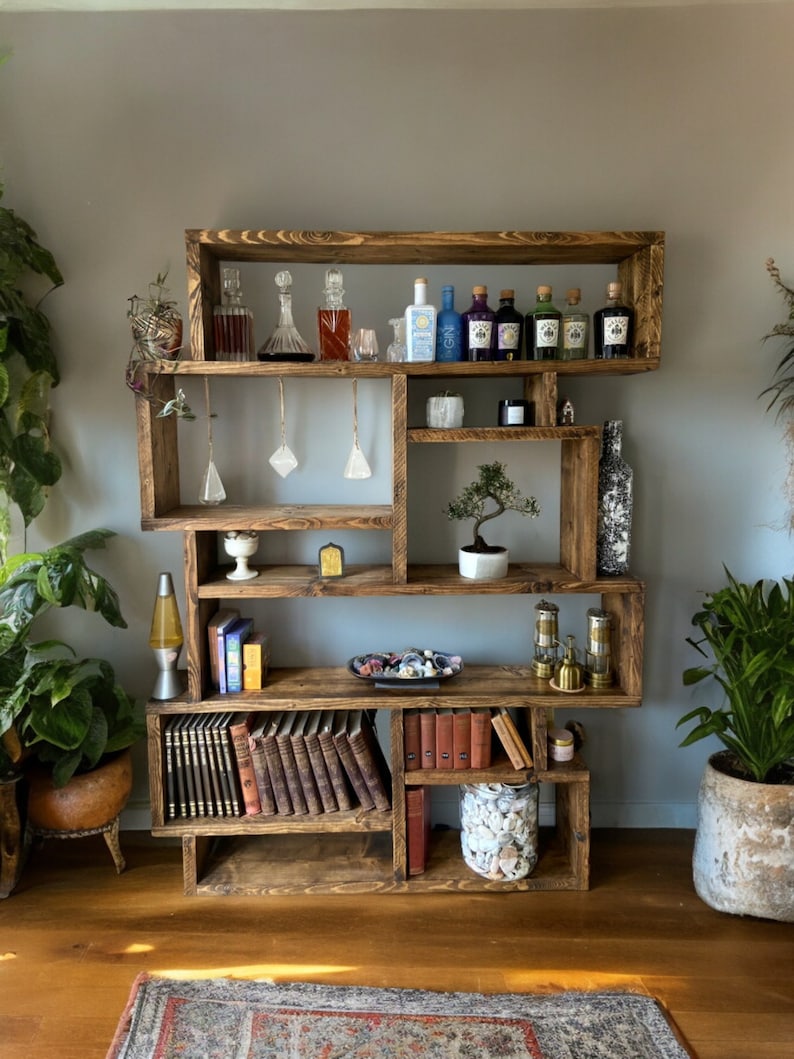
(355,851)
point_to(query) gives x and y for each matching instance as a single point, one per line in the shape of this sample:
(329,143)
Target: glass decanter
(285,343)
(395,351)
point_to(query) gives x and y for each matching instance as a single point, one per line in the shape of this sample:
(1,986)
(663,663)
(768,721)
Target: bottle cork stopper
(421,280)
(544,290)
(479,290)
(573,295)
(614,289)
(506,294)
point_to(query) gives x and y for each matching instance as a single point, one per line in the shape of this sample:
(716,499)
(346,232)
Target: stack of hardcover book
(288,763)
(461,739)
(239,655)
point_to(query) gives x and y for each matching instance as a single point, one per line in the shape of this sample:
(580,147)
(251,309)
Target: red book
(481,737)
(444,744)
(239,730)
(417,814)
(348,759)
(412,740)
(461,739)
(427,738)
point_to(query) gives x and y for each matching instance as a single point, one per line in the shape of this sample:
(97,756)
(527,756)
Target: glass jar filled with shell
(499,829)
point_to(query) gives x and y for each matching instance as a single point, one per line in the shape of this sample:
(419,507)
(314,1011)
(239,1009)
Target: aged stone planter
(89,801)
(743,861)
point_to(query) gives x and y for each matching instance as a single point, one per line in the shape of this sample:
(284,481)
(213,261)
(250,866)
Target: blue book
(236,635)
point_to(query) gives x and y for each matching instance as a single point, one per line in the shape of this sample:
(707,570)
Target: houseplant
(28,370)
(743,861)
(488,496)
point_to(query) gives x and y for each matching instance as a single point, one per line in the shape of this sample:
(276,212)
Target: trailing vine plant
(781,391)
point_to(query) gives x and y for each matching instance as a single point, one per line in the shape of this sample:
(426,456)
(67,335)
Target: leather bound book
(230,765)
(187,761)
(264,785)
(370,758)
(240,729)
(284,744)
(179,769)
(195,760)
(444,744)
(461,739)
(220,621)
(319,767)
(336,770)
(215,732)
(506,730)
(275,765)
(515,735)
(417,822)
(348,759)
(481,738)
(213,794)
(427,738)
(169,766)
(304,765)
(412,740)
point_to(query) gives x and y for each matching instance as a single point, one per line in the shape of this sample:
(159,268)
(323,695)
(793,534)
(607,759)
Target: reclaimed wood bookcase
(358,851)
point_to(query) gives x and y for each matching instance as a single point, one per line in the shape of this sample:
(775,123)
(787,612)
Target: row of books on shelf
(239,654)
(461,739)
(277,763)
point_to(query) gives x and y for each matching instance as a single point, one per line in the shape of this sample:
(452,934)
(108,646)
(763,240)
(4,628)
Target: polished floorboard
(74,935)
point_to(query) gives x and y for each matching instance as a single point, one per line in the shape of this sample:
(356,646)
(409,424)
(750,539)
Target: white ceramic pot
(483,566)
(445,411)
(743,861)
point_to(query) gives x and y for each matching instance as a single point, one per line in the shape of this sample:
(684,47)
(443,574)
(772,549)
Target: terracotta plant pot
(743,861)
(89,800)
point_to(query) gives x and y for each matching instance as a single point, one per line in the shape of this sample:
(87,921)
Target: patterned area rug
(227,1018)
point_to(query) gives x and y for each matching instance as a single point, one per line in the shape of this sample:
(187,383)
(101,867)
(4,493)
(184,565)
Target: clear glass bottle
(544,324)
(420,326)
(509,327)
(395,351)
(479,327)
(285,343)
(449,331)
(613,326)
(575,327)
(233,322)
(333,319)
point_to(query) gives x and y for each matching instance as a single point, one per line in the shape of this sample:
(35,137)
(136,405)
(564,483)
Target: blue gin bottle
(449,332)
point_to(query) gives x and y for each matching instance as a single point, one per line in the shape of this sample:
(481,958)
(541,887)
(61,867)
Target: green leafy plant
(55,708)
(781,391)
(488,496)
(28,371)
(747,632)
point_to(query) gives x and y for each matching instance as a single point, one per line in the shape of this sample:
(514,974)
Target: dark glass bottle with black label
(509,327)
(613,326)
(479,330)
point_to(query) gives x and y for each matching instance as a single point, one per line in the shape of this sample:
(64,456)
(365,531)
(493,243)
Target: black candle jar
(515,413)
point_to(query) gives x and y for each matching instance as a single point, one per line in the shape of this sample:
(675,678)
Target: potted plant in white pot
(743,859)
(491,494)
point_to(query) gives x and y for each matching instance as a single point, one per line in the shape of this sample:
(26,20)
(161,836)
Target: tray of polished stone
(411,667)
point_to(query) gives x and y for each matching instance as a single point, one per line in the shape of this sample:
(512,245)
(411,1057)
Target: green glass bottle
(544,325)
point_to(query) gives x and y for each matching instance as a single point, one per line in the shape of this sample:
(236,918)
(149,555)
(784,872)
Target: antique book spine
(239,730)
(318,764)
(267,798)
(417,813)
(515,735)
(427,738)
(304,767)
(213,790)
(190,782)
(198,776)
(348,759)
(170,769)
(444,743)
(412,740)
(481,738)
(217,733)
(294,785)
(230,767)
(275,767)
(503,731)
(336,771)
(461,739)
(370,759)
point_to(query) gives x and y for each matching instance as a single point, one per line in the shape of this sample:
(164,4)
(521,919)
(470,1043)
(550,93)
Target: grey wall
(117,132)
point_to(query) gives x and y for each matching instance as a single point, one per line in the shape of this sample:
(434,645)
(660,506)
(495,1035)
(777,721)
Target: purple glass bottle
(479,327)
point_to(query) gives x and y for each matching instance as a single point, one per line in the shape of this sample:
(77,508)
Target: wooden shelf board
(446,436)
(273,517)
(381,370)
(324,687)
(354,820)
(304,580)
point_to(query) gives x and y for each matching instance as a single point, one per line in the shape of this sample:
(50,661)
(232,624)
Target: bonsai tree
(488,496)
(747,635)
(64,712)
(28,370)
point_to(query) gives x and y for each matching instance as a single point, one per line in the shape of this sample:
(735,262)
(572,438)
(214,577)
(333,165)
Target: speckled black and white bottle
(615,503)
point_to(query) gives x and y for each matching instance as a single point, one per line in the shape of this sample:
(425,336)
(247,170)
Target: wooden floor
(74,935)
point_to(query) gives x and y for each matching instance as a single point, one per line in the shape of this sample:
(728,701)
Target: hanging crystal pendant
(211,491)
(283,460)
(356,466)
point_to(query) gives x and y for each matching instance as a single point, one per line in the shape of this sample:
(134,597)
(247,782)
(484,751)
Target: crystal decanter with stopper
(285,343)
(333,319)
